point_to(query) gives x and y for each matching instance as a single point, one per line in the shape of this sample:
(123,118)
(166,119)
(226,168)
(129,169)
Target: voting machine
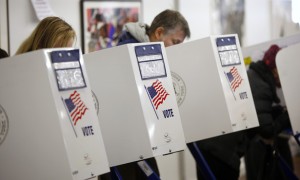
(137,107)
(211,87)
(49,126)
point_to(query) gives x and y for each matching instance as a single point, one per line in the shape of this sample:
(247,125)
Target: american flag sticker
(157,93)
(76,107)
(234,78)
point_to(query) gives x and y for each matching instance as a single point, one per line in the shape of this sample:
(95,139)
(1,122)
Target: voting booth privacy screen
(211,87)
(137,107)
(49,126)
(287,61)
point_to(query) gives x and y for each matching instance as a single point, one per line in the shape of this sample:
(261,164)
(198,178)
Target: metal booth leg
(144,166)
(205,169)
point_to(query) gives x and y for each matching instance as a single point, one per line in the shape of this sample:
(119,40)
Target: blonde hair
(50,32)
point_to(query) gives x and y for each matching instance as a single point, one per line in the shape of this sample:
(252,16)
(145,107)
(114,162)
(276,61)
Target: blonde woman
(51,32)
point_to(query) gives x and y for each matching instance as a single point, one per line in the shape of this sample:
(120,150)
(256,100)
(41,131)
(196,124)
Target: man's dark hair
(169,20)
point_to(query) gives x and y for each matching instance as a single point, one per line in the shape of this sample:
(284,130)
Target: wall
(260,17)
(22,19)
(257,22)
(197,14)
(3,25)
(21,14)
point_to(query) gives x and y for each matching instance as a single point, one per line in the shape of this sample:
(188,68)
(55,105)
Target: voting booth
(211,86)
(287,61)
(137,108)
(49,126)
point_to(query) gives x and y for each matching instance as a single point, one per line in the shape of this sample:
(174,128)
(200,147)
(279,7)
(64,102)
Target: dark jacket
(126,38)
(260,161)
(134,33)
(272,119)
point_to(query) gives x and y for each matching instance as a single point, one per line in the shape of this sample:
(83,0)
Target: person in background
(3,53)
(51,32)
(265,141)
(169,27)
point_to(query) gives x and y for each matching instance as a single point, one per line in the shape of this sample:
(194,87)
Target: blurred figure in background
(265,142)
(51,32)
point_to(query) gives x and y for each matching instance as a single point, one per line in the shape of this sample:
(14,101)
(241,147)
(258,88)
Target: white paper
(42,8)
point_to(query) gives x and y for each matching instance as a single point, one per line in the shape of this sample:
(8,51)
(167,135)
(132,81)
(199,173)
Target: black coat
(272,119)
(260,161)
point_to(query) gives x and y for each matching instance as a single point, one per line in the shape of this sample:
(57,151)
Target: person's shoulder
(252,74)
(126,38)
